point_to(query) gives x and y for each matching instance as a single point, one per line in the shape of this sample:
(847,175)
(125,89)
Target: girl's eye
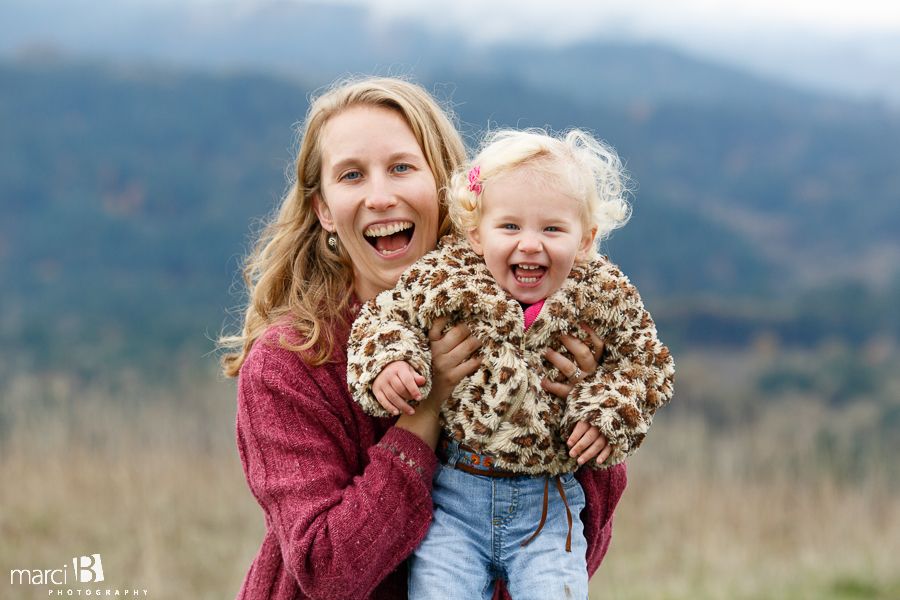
(510,227)
(552,229)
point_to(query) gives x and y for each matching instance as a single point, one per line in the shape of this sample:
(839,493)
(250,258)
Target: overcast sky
(653,17)
(852,46)
(848,46)
(565,18)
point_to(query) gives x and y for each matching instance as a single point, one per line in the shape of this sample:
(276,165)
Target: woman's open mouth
(528,273)
(390,238)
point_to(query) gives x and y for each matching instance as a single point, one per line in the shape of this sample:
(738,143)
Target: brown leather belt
(468,460)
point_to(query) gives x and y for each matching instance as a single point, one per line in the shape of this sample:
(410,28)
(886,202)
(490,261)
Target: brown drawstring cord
(568,514)
(544,512)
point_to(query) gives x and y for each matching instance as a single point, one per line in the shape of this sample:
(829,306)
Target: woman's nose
(379,195)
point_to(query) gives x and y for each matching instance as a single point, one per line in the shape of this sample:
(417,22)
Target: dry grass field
(761,500)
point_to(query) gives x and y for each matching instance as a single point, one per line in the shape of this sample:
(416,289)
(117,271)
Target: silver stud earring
(332,241)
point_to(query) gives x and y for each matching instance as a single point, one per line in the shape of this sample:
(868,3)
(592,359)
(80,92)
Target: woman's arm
(346,511)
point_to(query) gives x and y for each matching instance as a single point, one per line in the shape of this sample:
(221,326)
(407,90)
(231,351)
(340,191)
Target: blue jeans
(475,538)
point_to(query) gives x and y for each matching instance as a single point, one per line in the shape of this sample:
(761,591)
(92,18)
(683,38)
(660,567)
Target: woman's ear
(323,213)
(475,241)
(586,242)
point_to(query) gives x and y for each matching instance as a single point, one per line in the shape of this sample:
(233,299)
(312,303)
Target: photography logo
(87,569)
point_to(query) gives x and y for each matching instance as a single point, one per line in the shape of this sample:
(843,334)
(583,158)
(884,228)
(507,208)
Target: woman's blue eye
(402,168)
(352,176)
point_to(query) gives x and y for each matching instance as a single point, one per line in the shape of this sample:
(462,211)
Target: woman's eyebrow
(352,161)
(405,157)
(339,166)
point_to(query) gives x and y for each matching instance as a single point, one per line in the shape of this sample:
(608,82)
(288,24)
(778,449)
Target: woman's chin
(394,263)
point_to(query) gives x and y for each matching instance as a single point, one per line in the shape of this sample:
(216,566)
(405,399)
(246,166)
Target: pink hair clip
(474,185)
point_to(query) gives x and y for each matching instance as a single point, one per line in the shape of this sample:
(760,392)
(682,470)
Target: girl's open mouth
(390,238)
(528,273)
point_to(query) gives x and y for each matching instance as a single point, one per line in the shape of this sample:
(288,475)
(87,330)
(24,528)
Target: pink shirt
(531,312)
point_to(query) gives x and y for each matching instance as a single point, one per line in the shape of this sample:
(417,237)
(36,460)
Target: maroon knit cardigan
(346,496)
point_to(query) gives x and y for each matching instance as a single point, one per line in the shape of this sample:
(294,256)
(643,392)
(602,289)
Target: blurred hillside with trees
(129,194)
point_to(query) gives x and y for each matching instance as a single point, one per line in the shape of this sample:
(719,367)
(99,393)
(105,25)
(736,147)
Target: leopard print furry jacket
(501,409)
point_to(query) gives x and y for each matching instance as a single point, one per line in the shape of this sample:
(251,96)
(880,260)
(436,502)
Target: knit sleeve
(603,488)
(384,332)
(345,511)
(635,379)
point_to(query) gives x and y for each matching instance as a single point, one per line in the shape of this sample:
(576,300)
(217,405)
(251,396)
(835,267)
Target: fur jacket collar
(501,409)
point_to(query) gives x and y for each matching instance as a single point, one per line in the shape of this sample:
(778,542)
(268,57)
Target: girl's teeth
(527,268)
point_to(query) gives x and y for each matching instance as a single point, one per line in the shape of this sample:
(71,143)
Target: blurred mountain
(128,192)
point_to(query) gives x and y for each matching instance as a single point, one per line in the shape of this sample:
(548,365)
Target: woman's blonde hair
(573,163)
(291,271)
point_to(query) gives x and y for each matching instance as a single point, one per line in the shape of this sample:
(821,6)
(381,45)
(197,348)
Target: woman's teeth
(383,230)
(383,240)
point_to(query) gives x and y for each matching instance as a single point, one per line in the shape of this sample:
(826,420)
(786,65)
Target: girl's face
(530,236)
(378,195)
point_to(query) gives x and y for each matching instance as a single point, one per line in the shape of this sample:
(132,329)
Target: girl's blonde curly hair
(572,162)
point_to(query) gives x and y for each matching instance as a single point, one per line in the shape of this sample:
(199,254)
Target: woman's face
(378,195)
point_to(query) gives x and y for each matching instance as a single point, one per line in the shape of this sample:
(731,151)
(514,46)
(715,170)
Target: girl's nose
(530,243)
(379,195)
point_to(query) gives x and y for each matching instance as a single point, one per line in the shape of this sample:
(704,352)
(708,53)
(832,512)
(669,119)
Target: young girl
(525,274)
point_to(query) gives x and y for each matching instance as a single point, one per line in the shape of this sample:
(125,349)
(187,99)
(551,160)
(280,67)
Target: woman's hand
(586,362)
(586,441)
(451,360)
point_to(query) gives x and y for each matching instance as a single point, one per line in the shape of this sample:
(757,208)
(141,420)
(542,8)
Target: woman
(346,496)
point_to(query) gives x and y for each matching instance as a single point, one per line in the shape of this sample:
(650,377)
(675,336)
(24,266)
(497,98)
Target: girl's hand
(587,442)
(397,383)
(586,362)
(451,360)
